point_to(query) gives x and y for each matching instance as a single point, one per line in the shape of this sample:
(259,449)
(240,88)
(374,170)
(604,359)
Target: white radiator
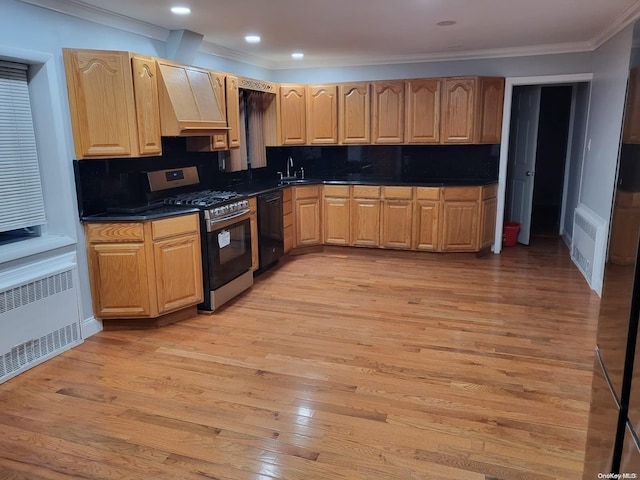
(39,313)
(588,245)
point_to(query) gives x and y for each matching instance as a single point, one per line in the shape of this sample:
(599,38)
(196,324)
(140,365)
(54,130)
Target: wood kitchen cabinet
(322,114)
(422,110)
(365,216)
(223,139)
(472,110)
(113,101)
(387,112)
(253,220)
(488,120)
(457,113)
(192,100)
(488,215)
(631,127)
(144,269)
(307,218)
(287,220)
(426,219)
(397,217)
(292,115)
(354,113)
(460,219)
(336,215)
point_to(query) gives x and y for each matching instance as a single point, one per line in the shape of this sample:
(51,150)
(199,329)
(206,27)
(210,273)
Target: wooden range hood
(192,100)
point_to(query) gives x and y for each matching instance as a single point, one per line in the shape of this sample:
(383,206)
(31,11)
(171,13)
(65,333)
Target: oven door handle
(218,223)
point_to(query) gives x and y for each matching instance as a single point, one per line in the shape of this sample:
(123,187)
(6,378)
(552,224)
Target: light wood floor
(344,364)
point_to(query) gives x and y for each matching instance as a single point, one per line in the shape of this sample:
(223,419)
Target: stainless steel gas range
(225,232)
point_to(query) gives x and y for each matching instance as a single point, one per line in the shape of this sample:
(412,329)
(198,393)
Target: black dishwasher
(270,230)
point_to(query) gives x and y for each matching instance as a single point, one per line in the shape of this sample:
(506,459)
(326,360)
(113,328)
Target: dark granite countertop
(156,213)
(259,187)
(265,186)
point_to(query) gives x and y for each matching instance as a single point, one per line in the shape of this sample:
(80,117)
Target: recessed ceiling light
(297,55)
(446,23)
(252,38)
(181,10)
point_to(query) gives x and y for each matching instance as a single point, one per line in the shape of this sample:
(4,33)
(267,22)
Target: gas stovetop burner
(205,198)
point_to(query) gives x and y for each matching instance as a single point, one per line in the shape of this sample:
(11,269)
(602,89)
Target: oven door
(229,250)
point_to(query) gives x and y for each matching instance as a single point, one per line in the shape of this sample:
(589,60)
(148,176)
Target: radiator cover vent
(33,350)
(34,291)
(39,313)
(588,245)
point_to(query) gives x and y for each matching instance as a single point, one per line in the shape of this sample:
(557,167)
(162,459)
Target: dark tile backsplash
(103,184)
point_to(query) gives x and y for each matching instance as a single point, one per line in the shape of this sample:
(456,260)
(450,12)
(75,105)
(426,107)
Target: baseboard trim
(90,326)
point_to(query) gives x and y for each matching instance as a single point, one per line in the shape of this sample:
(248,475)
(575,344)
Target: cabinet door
(488,222)
(631,130)
(397,216)
(307,221)
(292,115)
(101,103)
(489,110)
(145,86)
(423,110)
(459,226)
(388,112)
(287,219)
(233,111)
(178,272)
(426,222)
(253,220)
(365,222)
(354,113)
(322,114)
(336,220)
(119,280)
(458,100)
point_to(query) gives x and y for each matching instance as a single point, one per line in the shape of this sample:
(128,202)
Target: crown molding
(627,18)
(102,17)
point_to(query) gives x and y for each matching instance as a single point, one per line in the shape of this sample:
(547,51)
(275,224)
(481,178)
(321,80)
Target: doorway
(545,203)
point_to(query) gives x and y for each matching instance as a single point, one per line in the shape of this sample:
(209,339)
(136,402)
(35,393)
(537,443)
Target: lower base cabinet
(397,217)
(307,219)
(144,269)
(365,216)
(253,221)
(426,219)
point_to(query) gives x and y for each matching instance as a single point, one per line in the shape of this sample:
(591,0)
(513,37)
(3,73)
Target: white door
(522,157)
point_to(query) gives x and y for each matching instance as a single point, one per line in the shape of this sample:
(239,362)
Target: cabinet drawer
(399,193)
(308,191)
(169,227)
(489,191)
(428,193)
(336,191)
(114,232)
(366,191)
(462,193)
(286,194)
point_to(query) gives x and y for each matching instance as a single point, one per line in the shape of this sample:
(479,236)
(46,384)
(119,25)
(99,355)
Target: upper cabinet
(458,101)
(292,115)
(233,111)
(422,110)
(354,113)
(113,103)
(192,100)
(387,121)
(631,128)
(489,109)
(472,110)
(322,114)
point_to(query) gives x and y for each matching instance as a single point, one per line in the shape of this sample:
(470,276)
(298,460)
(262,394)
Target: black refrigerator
(613,445)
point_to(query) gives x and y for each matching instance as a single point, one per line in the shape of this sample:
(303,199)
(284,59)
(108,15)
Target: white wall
(574,173)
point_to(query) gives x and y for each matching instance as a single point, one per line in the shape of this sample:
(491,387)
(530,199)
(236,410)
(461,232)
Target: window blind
(21,203)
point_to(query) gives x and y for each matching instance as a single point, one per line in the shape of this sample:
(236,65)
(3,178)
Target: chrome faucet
(289,165)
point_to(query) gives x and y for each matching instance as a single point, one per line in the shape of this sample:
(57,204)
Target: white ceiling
(357,32)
